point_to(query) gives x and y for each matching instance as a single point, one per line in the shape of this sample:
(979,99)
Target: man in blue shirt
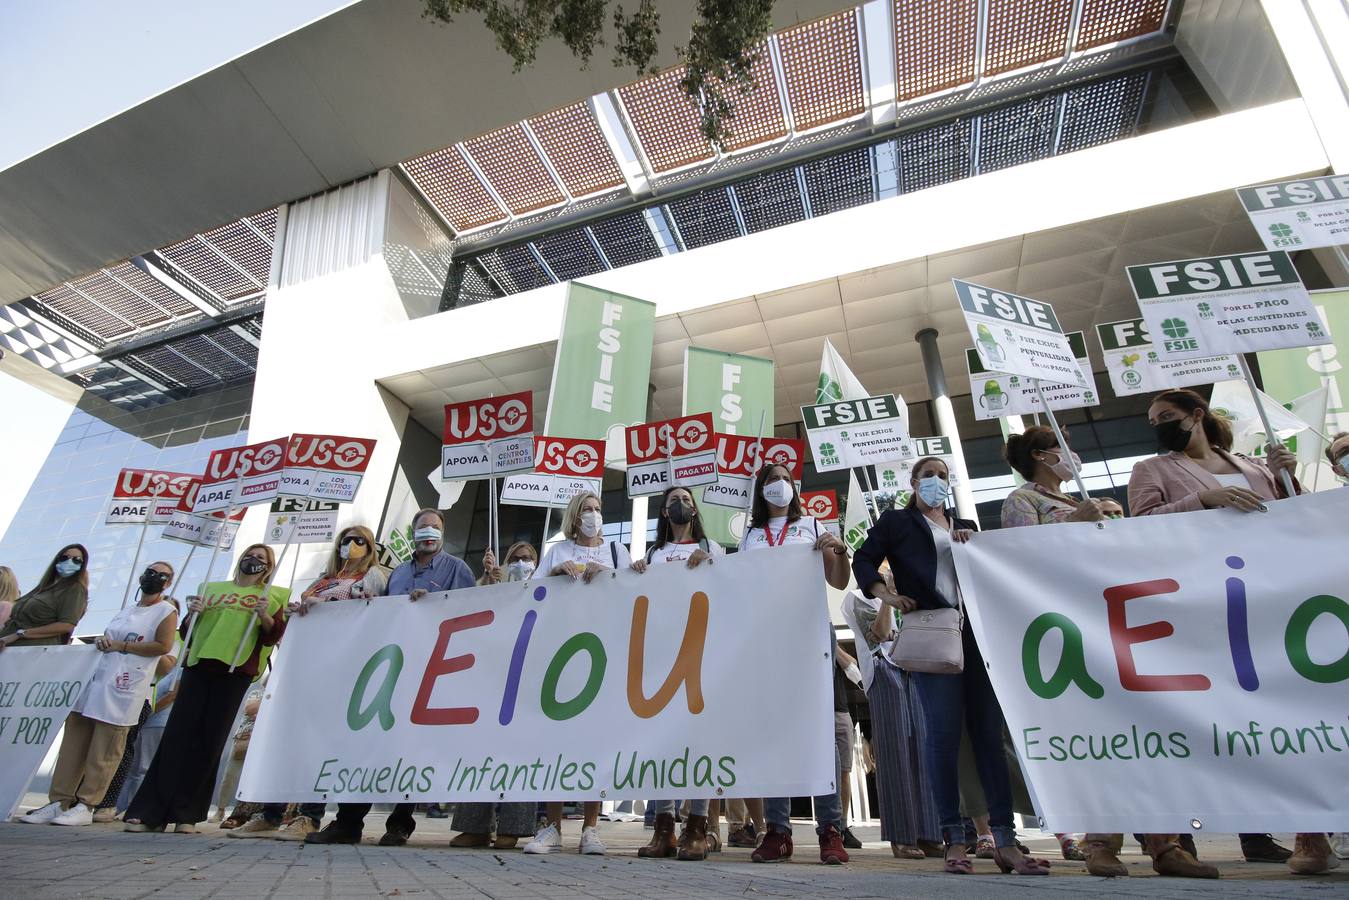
(431,569)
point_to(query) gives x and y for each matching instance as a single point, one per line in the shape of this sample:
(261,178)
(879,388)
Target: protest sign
(822,505)
(602,368)
(856,432)
(301,521)
(997,394)
(563,468)
(1181,655)
(145,496)
(1135,366)
(1226,304)
(738,391)
(242,476)
(201,528)
(488,437)
(1299,215)
(1018,336)
(325,466)
(38,686)
(893,477)
(522,691)
(738,459)
(680,451)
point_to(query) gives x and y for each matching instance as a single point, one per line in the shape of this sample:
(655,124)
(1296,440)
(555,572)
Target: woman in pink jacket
(1200,471)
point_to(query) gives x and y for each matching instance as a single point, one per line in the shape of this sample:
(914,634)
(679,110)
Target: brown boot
(693,840)
(1311,855)
(1102,852)
(1169,858)
(662,844)
(470,839)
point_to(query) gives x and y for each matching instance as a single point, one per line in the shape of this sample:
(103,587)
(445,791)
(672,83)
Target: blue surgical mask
(934,490)
(67,567)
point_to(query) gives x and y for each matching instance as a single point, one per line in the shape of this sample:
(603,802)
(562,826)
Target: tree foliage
(724,43)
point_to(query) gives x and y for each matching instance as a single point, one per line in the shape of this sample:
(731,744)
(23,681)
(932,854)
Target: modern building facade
(418,259)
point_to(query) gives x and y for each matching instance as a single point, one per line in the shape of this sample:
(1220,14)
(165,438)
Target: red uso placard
(325,466)
(823,505)
(573,457)
(680,451)
(142,495)
(488,437)
(788,452)
(242,476)
(737,461)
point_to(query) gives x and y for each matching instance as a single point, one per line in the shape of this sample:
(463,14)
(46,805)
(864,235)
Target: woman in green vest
(177,788)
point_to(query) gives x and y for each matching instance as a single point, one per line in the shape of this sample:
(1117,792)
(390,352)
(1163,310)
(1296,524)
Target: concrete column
(946,420)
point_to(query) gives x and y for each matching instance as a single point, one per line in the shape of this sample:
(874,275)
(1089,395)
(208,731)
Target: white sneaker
(548,840)
(591,845)
(43,815)
(1339,845)
(79,814)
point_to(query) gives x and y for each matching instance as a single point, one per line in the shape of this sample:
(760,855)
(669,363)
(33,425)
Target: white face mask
(779,493)
(591,522)
(519,570)
(1062,471)
(427,535)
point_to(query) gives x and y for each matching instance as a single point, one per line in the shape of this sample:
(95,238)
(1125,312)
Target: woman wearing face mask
(476,822)
(1198,470)
(584,554)
(352,573)
(680,539)
(110,703)
(917,542)
(1038,458)
(776,520)
(177,788)
(521,561)
(48,614)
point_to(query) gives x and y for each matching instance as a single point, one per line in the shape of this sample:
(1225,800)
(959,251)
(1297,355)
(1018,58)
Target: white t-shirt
(945,582)
(1233,479)
(671,552)
(570,550)
(804,530)
(122,681)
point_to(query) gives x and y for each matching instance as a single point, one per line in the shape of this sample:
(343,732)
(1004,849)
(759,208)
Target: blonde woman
(97,727)
(9,592)
(177,788)
(583,555)
(352,573)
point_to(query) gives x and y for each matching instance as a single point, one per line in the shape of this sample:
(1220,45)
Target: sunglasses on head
(353,539)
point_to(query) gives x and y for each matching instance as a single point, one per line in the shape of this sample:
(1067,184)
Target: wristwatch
(18,634)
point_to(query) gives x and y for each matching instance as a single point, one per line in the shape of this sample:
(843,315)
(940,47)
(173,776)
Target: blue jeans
(950,703)
(696,807)
(828,811)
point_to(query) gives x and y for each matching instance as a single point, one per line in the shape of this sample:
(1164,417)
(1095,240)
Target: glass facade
(67,501)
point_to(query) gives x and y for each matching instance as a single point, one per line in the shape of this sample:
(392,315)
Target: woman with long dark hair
(177,788)
(917,542)
(48,613)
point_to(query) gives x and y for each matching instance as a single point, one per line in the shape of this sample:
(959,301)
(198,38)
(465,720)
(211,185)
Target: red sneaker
(775,847)
(831,848)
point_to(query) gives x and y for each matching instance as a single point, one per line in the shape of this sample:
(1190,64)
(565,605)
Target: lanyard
(768,534)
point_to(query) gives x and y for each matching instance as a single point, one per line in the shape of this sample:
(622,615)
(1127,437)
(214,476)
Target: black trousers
(351,817)
(177,788)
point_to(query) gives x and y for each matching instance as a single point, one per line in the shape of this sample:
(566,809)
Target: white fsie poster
(1299,215)
(856,432)
(997,394)
(1018,335)
(523,691)
(1135,366)
(1190,672)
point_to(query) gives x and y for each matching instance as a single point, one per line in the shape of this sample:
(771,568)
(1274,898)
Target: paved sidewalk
(103,862)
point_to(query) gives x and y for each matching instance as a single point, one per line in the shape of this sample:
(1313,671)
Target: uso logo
(820,504)
(576,457)
(482,420)
(329,452)
(151,483)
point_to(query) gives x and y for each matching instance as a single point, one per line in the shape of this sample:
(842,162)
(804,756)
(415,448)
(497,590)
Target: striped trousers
(908,812)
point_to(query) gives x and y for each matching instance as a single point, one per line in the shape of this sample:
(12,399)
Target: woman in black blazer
(916,541)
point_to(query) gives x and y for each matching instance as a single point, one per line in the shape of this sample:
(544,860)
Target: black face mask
(680,513)
(153,582)
(251,565)
(1170,436)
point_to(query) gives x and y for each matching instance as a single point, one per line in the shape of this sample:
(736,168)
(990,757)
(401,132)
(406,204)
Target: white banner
(1135,367)
(527,691)
(1299,215)
(38,686)
(1226,304)
(996,394)
(1018,335)
(1176,672)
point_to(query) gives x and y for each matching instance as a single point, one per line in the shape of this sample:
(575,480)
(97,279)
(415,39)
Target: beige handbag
(929,641)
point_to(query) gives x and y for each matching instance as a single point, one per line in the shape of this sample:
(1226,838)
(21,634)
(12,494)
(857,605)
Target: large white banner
(552,689)
(1174,673)
(38,686)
